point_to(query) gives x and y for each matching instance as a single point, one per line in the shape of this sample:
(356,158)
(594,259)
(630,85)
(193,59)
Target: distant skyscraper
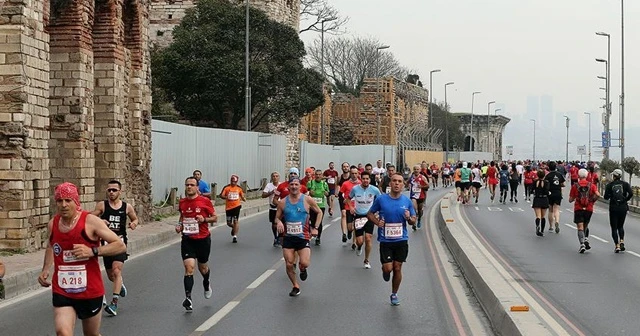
(546,110)
(533,107)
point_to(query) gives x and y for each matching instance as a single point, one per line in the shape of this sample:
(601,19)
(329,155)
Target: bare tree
(349,60)
(318,15)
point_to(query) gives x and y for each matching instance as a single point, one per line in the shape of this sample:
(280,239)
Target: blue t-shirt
(504,177)
(363,198)
(203,187)
(392,211)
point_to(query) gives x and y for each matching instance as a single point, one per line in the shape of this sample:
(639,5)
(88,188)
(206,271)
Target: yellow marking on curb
(519,308)
(449,220)
(445,206)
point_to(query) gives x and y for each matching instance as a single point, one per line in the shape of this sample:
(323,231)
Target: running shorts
(196,249)
(582,216)
(85,308)
(295,243)
(396,251)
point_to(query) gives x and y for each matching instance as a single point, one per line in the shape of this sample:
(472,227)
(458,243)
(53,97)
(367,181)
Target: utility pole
(589,114)
(622,96)
(446,123)
(567,149)
(488,118)
(431,95)
(534,139)
(473,95)
(247,89)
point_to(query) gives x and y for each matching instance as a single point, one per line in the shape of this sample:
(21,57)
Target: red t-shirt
(283,189)
(332,177)
(491,172)
(573,172)
(593,177)
(530,177)
(575,194)
(305,180)
(189,209)
(345,189)
(74,278)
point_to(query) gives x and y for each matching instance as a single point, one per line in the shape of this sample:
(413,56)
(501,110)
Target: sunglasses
(112,190)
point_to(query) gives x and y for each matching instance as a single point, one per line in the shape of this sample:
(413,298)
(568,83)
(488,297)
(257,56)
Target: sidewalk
(22,270)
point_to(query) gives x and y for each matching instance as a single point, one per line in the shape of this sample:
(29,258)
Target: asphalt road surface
(596,293)
(250,292)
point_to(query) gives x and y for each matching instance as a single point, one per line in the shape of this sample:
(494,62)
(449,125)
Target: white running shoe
(359,251)
(208,292)
(367,265)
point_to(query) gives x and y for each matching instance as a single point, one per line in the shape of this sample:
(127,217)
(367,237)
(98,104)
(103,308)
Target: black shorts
(367,228)
(313,216)
(484,176)
(295,243)
(582,216)
(85,308)
(465,185)
(272,215)
(332,191)
(396,251)
(108,260)
(574,182)
(196,248)
(555,198)
(233,213)
(350,217)
(477,185)
(504,187)
(457,184)
(341,202)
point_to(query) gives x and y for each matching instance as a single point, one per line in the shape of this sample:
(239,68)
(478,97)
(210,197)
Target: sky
(511,50)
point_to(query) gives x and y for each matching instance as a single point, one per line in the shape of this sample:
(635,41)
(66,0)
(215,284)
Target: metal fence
(319,156)
(180,149)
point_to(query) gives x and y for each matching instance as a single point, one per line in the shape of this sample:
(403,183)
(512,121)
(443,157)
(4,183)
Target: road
(251,289)
(595,293)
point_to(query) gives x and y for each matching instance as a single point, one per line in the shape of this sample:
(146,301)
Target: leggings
(616,220)
(513,184)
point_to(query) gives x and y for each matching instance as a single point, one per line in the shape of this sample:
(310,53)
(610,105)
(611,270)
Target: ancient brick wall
(75,106)
(311,124)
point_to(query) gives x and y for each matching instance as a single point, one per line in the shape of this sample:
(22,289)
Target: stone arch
(468,142)
(131,24)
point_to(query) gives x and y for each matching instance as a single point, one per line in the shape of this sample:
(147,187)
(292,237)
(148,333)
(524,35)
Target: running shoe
(276,243)
(586,244)
(330,212)
(386,276)
(295,291)
(349,234)
(419,224)
(303,274)
(557,228)
(112,309)
(359,251)
(317,241)
(413,227)
(353,247)
(235,240)
(208,292)
(394,300)
(622,248)
(582,249)
(344,238)
(516,199)
(123,291)
(617,249)
(188,305)
(538,233)
(367,265)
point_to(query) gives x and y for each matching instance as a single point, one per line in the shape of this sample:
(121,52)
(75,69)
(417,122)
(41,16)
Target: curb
(494,291)
(20,283)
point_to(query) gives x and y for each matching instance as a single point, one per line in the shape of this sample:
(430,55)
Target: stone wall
(311,124)
(487,136)
(75,107)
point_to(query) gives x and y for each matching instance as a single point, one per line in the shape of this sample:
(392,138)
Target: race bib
(233,196)
(318,199)
(72,279)
(393,230)
(331,180)
(360,222)
(190,226)
(388,190)
(294,228)
(416,189)
(68,257)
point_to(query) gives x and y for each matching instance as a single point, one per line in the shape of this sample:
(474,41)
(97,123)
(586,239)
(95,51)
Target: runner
(362,197)
(585,194)
(530,176)
(297,230)
(203,187)
(394,212)
(492,179)
(514,180)
(283,190)
(345,190)
(445,175)
(73,249)
(196,212)
(504,183)
(385,185)
(270,191)
(331,175)
(343,218)
(520,170)
(618,193)
(369,169)
(434,175)
(233,196)
(556,183)
(457,178)
(573,172)
(318,190)
(378,173)
(593,177)
(465,182)
(484,169)
(308,176)
(540,190)
(476,183)
(418,186)
(114,213)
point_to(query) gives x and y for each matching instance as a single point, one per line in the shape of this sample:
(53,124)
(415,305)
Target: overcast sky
(509,50)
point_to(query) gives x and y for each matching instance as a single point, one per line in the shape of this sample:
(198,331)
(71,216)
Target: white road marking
(516,209)
(213,320)
(477,208)
(336,219)
(571,226)
(598,238)
(261,279)
(633,253)
(570,210)
(496,209)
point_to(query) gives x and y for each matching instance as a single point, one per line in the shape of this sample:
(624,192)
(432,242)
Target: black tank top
(540,188)
(117,219)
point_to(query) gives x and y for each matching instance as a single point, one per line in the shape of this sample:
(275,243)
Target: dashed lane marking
(598,238)
(633,253)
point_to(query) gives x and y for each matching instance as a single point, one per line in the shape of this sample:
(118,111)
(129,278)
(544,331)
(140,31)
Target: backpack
(584,195)
(617,194)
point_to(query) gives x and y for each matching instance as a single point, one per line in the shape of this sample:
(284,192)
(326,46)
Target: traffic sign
(582,150)
(606,139)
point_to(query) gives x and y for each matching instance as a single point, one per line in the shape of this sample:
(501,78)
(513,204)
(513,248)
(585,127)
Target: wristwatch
(95,251)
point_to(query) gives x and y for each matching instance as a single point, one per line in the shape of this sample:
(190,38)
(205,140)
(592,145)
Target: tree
(631,166)
(349,60)
(314,12)
(203,72)
(413,79)
(439,115)
(608,165)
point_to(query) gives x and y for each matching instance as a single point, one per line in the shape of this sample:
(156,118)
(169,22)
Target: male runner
(233,196)
(269,191)
(203,187)
(418,186)
(385,185)
(362,197)
(346,174)
(318,190)
(73,250)
(556,183)
(345,190)
(585,194)
(114,213)
(331,175)
(196,212)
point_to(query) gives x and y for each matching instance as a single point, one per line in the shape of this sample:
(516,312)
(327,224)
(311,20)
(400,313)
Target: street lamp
(488,115)
(589,114)
(473,95)
(495,112)
(247,89)
(534,139)
(622,96)
(322,130)
(446,123)
(567,153)
(608,86)
(379,84)
(431,95)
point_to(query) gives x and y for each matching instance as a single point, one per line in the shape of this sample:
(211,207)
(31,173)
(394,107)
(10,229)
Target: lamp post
(446,122)
(534,139)
(622,96)
(322,129)
(567,149)
(247,89)
(473,95)
(488,117)
(607,63)
(431,95)
(589,114)
(495,112)
(378,80)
